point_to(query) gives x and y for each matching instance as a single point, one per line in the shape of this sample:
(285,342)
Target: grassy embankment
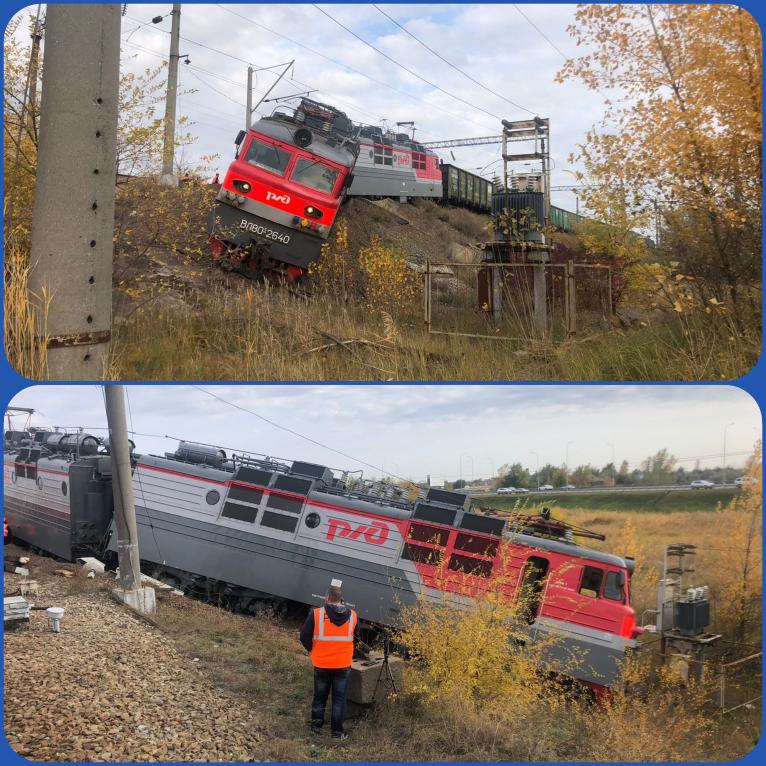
(178,317)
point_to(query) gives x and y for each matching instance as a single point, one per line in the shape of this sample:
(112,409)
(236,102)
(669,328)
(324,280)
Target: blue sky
(414,430)
(494,43)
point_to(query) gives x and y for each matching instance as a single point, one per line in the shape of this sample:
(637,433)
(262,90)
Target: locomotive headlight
(313,212)
(243,186)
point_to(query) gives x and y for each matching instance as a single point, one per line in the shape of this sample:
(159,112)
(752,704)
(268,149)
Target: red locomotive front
(281,194)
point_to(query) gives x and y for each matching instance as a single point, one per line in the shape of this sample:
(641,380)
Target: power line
(295,433)
(401,66)
(347,67)
(303,85)
(542,34)
(449,63)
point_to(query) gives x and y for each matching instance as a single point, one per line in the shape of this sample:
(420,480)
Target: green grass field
(650,500)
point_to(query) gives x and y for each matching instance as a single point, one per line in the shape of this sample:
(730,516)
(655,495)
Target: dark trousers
(326,679)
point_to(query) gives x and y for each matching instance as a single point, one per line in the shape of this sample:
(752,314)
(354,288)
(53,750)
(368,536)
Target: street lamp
(566,462)
(537,470)
(725,429)
(461,465)
(614,466)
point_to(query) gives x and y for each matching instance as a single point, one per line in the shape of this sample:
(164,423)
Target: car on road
(506,490)
(546,487)
(702,484)
(522,491)
(568,486)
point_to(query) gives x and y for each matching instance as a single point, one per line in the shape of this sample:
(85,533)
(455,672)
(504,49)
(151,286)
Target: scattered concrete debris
(15,609)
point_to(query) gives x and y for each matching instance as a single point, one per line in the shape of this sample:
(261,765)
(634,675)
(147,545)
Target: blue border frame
(754,382)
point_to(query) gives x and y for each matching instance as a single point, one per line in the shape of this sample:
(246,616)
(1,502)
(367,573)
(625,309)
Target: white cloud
(411,430)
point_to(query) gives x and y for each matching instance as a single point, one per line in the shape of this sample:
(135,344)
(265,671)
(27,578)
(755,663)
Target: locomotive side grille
(253,476)
(282,503)
(421,555)
(245,494)
(239,512)
(292,484)
(278,521)
(434,514)
(483,524)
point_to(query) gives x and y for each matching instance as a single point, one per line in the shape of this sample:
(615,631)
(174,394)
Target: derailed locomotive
(279,198)
(243,529)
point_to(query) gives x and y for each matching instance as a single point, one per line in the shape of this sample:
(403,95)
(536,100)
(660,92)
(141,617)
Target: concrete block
(363,686)
(141,600)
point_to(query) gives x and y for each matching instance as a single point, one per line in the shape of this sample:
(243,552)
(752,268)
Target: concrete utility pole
(168,178)
(73,217)
(130,591)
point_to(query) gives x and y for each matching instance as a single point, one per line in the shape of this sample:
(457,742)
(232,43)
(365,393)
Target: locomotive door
(532,590)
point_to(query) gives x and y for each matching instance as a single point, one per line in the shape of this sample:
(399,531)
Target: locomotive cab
(281,194)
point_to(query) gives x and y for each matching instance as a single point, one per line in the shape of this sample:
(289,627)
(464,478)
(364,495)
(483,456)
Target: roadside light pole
(168,178)
(537,469)
(725,429)
(566,462)
(614,467)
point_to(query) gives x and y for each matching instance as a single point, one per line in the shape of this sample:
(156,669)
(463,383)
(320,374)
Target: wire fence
(516,301)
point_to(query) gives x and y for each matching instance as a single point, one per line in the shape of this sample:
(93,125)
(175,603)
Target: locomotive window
(425,534)
(268,156)
(422,555)
(418,160)
(239,512)
(613,586)
(315,175)
(282,503)
(590,584)
(384,155)
(278,521)
(467,565)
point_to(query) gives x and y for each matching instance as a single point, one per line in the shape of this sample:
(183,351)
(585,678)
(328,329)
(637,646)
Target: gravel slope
(112,687)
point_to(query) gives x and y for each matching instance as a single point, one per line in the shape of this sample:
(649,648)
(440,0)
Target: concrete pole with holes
(168,178)
(70,280)
(130,591)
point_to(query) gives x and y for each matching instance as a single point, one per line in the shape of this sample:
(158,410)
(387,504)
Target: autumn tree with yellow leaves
(682,137)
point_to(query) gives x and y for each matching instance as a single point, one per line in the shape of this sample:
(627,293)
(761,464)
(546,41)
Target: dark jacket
(339,614)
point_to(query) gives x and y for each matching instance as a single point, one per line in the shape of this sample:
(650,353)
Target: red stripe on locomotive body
(403,161)
(561,601)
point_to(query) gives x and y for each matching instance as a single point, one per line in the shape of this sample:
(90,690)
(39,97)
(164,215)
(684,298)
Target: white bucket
(55,613)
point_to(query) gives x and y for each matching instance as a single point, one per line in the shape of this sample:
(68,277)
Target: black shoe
(340,736)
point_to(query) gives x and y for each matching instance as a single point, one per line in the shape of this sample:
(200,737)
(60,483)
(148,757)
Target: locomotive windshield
(315,175)
(267,156)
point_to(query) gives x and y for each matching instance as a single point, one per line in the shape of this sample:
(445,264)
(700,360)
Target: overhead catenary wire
(405,68)
(315,52)
(450,64)
(542,34)
(294,432)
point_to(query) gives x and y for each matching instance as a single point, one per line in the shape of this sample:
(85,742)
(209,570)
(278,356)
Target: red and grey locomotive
(244,529)
(279,198)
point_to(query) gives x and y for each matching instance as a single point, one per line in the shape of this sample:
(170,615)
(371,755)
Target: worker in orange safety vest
(328,635)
